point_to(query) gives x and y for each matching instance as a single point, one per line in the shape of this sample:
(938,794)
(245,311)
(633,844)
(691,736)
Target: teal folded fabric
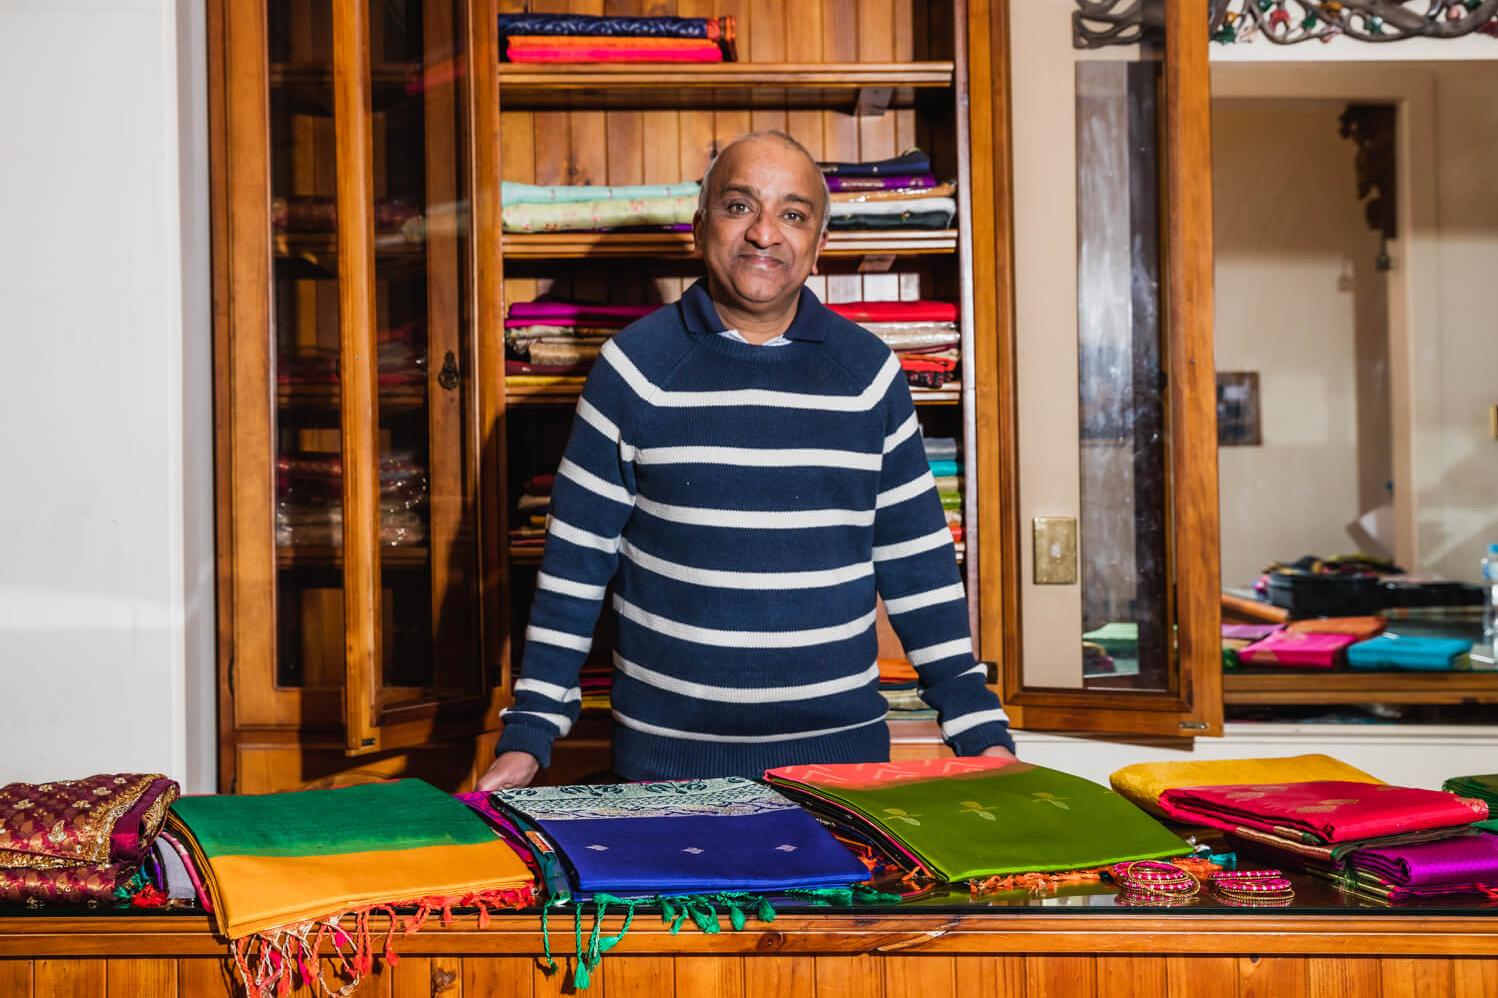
(1393,651)
(516,193)
(940,468)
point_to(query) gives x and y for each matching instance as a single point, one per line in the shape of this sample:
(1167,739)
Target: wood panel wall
(858,976)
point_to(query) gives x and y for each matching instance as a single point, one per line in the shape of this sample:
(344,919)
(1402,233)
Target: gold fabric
(1144,782)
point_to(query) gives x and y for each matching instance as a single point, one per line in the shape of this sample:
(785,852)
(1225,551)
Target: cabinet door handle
(448,376)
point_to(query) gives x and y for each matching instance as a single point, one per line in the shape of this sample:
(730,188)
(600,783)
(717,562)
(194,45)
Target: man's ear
(816,264)
(697,233)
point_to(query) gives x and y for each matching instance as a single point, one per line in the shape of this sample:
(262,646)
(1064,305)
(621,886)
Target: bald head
(744,145)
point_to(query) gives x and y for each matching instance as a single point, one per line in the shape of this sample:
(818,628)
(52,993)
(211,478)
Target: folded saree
(846,197)
(557,49)
(111,818)
(1322,811)
(971,818)
(1463,860)
(615,26)
(839,184)
(1484,788)
(939,449)
(276,860)
(606,214)
(516,193)
(1397,651)
(1290,648)
(912,161)
(686,837)
(941,468)
(915,335)
(576,313)
(1144,782)
(894,206)
(934,218)
(1361,628)
(896,311)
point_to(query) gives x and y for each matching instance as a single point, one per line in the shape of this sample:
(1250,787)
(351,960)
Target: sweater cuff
(522,737)
(984,736)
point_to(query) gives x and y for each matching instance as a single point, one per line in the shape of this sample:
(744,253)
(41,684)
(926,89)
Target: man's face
(761,230)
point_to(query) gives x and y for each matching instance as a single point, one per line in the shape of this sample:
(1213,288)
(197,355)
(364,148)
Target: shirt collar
(700,316)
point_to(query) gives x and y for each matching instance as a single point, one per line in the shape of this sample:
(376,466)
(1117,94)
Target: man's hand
(510,770)
(993,752)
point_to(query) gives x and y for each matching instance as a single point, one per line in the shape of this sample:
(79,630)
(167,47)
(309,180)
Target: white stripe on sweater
(568,587)
(656,396)
(916,545)
(551,691)
(581,537)
(904,493)
(708,736)
(742,639)
(744,694)
(761,457)
(589,414)
(904,433)
(562,723)
(937,652)
(966,722)
(582,476)
(755,519)
(931,597)
(726,579)
(547,636)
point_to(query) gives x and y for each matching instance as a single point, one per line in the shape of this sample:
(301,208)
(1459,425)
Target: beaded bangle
(1144,882)
(1256,887)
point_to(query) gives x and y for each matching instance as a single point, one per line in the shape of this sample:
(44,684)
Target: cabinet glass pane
(1093,440)
(305,348)
(421,251)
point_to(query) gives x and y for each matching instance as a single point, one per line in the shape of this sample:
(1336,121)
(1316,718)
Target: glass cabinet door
(1114,591)
(367,361)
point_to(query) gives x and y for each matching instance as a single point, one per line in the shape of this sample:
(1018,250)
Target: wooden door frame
(1196,706)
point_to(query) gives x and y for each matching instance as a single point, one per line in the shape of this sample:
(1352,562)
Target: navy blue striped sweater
(746,504)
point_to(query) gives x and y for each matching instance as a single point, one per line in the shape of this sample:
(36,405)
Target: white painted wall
(106,570)
(1289,237)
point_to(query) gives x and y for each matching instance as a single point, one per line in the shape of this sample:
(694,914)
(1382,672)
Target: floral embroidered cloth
(280,859)
(968,818)
(683,837)
(110,818)
(1322,811)
(1144,782)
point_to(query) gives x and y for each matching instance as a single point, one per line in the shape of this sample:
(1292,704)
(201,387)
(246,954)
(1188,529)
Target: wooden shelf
(320,556)
(525,555)
(1346,687)
(405,398)
(857,87)
(573,245)
(527,396)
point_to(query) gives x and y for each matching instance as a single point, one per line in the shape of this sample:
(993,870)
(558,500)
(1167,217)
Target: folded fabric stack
(1407,652)
(1358,642)
(319,213)
(899,686)
(74,841)
(1483,788)
(572,38)
(923,335)
(1302,649)
(1356,833)
(1144,782)
(971,819)
(945,459)
(309,499)
(575,208)
(289,872)
(1236,637)
(898,193)
(400,362)
(556,342)
(528,533)
(690,846)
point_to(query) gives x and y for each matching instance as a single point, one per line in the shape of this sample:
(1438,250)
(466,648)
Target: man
(747,470)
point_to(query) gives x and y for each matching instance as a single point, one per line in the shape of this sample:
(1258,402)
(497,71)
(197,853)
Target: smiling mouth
(761,261)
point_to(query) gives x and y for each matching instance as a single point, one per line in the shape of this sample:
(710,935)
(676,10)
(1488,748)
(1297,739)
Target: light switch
(1055,550)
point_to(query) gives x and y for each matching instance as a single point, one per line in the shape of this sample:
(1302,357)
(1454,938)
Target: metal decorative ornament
(1097,23)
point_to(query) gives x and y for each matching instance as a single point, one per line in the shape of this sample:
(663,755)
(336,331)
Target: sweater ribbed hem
(984,736)
(641,756)
(523,737)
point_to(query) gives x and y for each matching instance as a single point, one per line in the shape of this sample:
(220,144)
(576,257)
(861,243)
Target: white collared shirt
(733,334)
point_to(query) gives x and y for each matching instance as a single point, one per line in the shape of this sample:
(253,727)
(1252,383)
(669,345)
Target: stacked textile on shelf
(554,343)
(1144,782)
(309,499)
(74,841)
(690,846)
(1483,788)
(970,819)
(578,208)
(316,213)
(900,687)
(578,38)
(898,193)
(528,533)
(284,870)
(1462,864)
(1406,652)
(400,362)
(945,459)
(923,335)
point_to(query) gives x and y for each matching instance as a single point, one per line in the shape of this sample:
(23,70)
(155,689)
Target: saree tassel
(551,964)
(736,916)
(766,911)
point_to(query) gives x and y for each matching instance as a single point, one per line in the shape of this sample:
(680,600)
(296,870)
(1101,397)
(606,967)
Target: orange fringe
(270,963)
(1034,883)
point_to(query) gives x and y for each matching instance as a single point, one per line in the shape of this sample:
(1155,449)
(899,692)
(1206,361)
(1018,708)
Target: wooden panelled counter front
(929,954)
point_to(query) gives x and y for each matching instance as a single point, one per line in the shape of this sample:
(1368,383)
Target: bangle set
(1263,888)
(1150,882)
